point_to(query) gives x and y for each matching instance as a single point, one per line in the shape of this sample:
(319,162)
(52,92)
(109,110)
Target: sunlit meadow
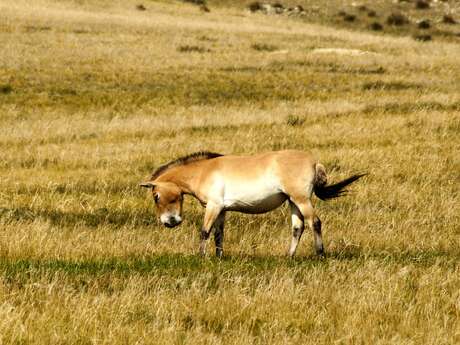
(95,94)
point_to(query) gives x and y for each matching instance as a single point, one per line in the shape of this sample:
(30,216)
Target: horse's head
(168,199)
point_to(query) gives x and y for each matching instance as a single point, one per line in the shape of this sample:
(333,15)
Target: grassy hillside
(420,19)
(95,94)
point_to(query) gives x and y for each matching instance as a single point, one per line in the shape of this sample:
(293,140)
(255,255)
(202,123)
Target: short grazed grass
(94,95)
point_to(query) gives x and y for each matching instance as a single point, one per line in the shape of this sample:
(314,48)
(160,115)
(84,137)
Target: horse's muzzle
(172,222)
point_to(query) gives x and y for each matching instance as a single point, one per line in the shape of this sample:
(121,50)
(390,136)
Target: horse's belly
(255,203)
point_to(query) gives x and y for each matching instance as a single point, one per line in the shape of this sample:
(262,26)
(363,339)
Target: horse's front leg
(210,216)
(219,234)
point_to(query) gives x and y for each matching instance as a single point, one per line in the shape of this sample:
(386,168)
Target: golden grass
(95,94)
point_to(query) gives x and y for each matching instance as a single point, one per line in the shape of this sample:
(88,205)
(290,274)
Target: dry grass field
(94,94)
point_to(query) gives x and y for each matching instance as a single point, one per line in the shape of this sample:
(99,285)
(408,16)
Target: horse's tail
(326,192)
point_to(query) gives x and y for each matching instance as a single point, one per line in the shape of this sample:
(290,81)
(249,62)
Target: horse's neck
(185,177)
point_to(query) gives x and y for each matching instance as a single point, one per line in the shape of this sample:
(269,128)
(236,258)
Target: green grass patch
(390,86)
(96,217)
(175,265)
(264,47)
(6,89)
(192,49)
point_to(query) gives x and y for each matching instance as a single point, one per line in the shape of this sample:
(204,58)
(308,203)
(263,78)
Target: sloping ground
(96,94)
(420,19)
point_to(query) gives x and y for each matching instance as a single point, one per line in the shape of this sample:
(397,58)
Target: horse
(249,184)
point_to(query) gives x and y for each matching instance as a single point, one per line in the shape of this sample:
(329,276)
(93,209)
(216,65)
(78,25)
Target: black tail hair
(337,189)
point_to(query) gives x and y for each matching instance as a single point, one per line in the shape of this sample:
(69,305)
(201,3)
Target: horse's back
(280,160)
(277,165)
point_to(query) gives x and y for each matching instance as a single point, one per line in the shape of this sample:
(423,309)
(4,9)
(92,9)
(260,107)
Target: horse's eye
(156,198)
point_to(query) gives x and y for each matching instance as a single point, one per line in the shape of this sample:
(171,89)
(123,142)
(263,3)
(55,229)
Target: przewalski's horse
(248,184)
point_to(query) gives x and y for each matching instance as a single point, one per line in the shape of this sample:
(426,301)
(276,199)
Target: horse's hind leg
(308,213)
(297,225)
(315,225)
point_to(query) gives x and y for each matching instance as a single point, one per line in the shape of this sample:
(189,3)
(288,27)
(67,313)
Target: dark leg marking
(219,234)
(218,240)
(318,238)
(204,235)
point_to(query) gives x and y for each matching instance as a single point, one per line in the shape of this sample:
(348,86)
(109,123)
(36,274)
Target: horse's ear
(147,184)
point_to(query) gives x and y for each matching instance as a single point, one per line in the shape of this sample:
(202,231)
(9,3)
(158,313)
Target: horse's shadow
(353,256)
(178,264)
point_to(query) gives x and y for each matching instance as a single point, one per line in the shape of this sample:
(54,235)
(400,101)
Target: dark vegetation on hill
(436,18)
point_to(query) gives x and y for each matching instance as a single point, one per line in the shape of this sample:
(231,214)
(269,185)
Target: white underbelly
(250,199)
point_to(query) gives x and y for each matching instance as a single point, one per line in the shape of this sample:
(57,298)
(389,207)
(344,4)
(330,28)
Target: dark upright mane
(193,157)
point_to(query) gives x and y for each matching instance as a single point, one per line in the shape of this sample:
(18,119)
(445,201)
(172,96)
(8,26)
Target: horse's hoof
(321,253)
